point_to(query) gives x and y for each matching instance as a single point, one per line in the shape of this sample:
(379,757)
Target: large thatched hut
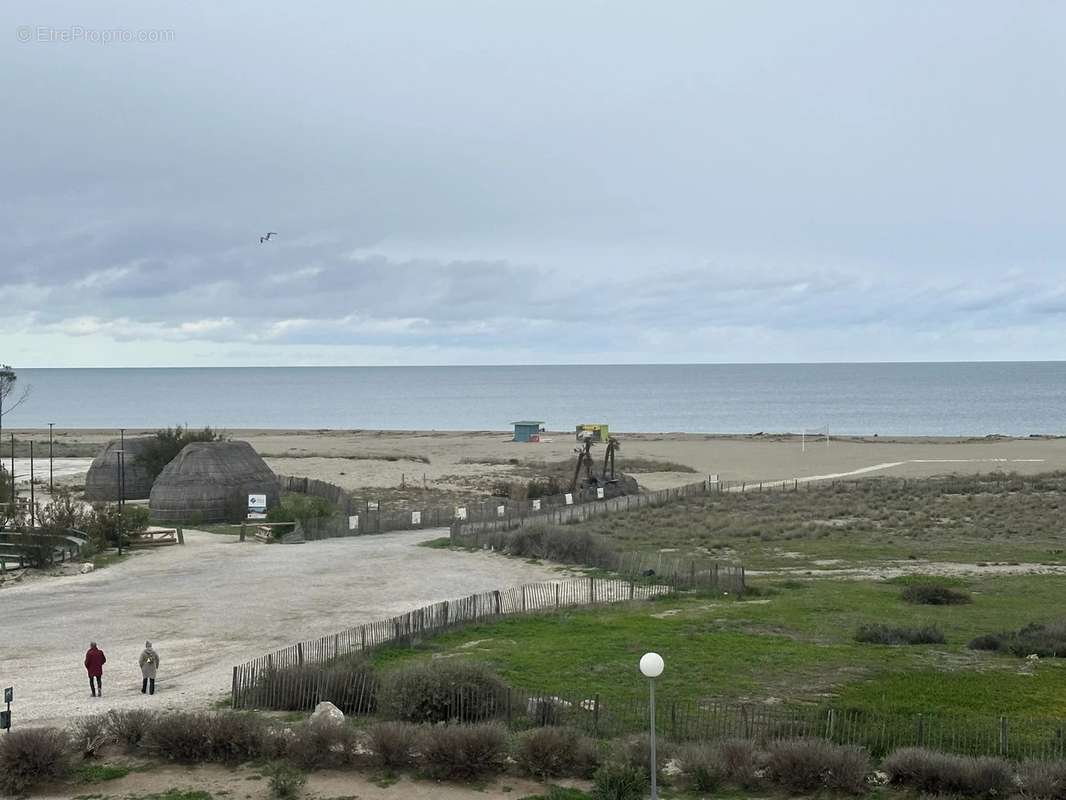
(102,482)
(210,482)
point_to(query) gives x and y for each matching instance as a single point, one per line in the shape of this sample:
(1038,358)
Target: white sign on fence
(712,478)
(416,517)
(569,499)
(460,512)
(536,505)
(501,510)
(353,522)
(257,503)
(372,505)
(599,492)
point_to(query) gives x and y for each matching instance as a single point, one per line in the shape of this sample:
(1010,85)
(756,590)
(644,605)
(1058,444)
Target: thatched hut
(210,482)
(102,482)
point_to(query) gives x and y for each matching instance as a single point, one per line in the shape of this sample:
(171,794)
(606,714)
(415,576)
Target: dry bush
(350,685)
(935,594)
(444,691)
(195,738)
(89,734)
(943,773)
(636,750)
(893,634)
(554,752)
(701,765)
(321,745)
(129,727)
(31,755)
(393,745)
(806,765)
(1043,780)
(740,760)
(463,751)
(1046,641)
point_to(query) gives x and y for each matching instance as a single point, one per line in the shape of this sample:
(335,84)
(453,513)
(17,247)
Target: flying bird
(267,237)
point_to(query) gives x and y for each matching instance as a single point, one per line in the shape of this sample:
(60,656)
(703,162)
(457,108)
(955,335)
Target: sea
(907,399)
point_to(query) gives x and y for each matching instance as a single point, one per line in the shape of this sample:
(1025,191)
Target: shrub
(286,783)
(392,745)
(636,750)
(555,544)
(1046,641)
(1043,780)
(443,692)
(129,727)
(89,734)
(317,745)
(942,773)
(554,752)
(194,738)
(805,765)
(891,634)
(619,781)
(234,737)
(350,685)
(740,761)
(31,755)
(463,751)
(702,767)
(167,443)
(935,594)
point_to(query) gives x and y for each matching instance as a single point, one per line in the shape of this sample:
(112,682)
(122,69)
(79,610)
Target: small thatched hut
(102,482)
(210,482)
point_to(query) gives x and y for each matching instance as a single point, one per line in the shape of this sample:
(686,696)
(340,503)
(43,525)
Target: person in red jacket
(94,665)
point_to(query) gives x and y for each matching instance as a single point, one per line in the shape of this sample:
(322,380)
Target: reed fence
(261,682)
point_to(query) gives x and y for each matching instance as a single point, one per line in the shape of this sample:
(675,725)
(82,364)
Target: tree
(167,443)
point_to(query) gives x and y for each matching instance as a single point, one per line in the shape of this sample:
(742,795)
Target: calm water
(940,399)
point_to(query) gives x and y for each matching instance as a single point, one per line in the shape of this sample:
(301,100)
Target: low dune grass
(793,644)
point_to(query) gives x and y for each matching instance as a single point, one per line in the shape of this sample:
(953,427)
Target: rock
(326,713)
(86,568)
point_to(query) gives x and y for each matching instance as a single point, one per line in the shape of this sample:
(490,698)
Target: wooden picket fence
(256,683)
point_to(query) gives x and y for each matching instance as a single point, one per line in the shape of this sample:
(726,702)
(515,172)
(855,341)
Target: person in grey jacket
(149,662)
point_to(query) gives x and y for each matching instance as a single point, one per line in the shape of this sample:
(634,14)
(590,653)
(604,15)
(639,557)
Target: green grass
(970,519)
(793,644)
(97,773)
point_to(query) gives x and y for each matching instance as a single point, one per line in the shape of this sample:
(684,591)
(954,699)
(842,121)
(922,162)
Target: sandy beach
(471,460)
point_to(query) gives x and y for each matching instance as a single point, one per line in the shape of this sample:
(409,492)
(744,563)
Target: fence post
(921,731)
(300,653)
(499,602)
(596,714)
(1003,741)
(523,599)
(830,725)
(233,698)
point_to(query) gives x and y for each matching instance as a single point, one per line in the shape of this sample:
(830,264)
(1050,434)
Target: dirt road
(213,603)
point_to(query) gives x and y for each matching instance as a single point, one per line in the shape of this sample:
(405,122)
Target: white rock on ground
(326,713)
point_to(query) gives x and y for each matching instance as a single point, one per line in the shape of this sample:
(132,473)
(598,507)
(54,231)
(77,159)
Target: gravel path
(214,603)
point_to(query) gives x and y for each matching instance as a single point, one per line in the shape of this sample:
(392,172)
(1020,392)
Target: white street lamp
(651,666)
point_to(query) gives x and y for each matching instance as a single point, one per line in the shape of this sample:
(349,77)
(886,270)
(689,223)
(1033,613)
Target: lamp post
(121,464)
(51,489)
(651,666)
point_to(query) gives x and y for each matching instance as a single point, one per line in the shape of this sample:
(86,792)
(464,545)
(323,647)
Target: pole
(121,497)
(14,504)
(654,777)
(33,502)
(51,489)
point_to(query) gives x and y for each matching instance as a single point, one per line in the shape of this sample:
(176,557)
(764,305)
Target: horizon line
(549,364)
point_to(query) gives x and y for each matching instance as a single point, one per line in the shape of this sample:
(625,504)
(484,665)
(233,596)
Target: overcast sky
(531,182)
